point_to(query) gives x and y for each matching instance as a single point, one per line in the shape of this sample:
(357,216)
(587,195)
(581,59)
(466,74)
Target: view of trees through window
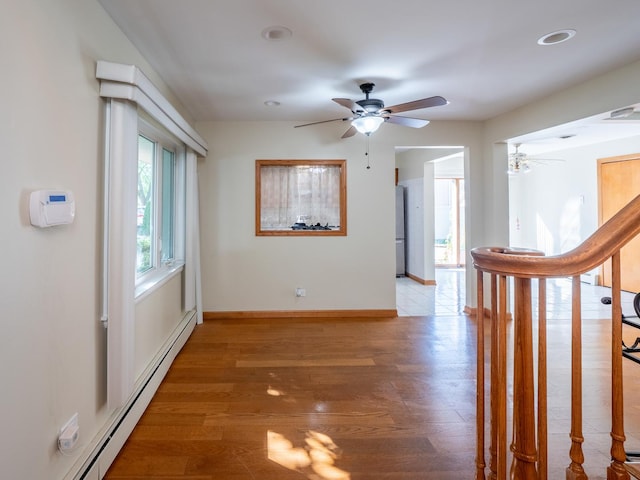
(146,155)
(155,205)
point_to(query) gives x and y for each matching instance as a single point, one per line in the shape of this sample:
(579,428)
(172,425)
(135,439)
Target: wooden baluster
(498,404)
(501,374)
(480,394)
(493,398)
(575,470)
(542,380)
(616,470)
(523,446)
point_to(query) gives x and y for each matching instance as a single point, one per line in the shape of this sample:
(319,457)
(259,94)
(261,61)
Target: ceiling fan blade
(544,161)
(350,133)
(350,104)
(407,121)
(344,119)
(417,104)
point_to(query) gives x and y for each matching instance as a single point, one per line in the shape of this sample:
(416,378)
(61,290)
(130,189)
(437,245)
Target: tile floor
(447,297)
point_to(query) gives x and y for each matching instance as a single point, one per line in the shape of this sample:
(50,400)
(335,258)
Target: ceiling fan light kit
(518,162)
(368,124)
(518,166)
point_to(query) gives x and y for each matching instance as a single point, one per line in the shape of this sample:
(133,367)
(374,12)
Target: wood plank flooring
(396,398)
(328,399)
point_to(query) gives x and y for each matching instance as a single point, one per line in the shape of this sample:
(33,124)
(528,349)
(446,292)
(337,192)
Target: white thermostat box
(51,207)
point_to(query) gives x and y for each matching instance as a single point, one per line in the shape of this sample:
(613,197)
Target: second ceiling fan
(519,162)
(368,114)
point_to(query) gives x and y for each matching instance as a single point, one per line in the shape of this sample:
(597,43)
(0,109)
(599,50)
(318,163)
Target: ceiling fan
(368,114)
(519,162)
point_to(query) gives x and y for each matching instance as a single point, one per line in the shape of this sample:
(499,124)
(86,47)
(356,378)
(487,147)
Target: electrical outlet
(301,292)
(69,433)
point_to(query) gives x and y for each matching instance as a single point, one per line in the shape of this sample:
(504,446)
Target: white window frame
(161,272)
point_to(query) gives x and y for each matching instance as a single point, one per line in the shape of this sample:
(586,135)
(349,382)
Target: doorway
(449,242)
(417,171)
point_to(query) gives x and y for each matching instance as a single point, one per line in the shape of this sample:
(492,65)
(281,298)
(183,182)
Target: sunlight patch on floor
(316,459)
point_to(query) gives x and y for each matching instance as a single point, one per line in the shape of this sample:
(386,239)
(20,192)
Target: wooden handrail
(594,251)
(529,443)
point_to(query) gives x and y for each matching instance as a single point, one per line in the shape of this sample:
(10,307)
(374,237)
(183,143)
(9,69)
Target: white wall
(554,207)
(52,345)
(156,317)
(429,227)
(242,272)
(610,91)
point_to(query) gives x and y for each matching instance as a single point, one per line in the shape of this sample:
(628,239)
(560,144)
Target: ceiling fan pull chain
(366,154)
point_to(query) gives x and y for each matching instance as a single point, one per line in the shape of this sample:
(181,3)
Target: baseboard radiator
(106,445)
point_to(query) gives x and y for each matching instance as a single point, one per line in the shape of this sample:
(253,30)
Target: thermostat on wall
(51,207)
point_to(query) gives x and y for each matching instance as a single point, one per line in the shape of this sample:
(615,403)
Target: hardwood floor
(346,398)
(395,396)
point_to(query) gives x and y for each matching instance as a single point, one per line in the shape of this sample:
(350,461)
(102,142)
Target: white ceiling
(482,56)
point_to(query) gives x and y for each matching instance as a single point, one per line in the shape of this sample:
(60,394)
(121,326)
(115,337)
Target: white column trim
(120,248)
(192,288)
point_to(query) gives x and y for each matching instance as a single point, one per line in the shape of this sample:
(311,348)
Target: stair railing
(529,449)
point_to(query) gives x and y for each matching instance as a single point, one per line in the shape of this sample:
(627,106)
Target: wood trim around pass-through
(342,231)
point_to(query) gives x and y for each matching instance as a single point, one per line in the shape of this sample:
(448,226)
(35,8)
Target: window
(167,205)
(301,197)
(146,173)
(157,201)
(132,102)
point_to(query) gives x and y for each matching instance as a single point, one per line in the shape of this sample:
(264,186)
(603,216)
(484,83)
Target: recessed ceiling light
(276,32)
(558,36)
(272,103)
(623,113)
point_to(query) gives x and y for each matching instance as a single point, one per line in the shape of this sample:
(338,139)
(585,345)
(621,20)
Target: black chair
(630,351)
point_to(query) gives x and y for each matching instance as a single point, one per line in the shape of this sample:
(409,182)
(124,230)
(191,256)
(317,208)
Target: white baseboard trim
(106,445)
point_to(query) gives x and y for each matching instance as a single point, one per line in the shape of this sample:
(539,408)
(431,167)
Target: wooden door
(618,184)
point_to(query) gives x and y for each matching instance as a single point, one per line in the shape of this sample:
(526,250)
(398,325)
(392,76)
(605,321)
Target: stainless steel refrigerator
(400,232)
